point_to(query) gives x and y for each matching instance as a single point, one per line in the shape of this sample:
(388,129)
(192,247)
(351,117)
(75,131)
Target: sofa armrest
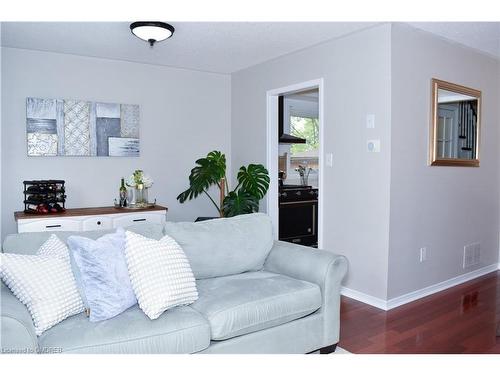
(17,332)
(320,267)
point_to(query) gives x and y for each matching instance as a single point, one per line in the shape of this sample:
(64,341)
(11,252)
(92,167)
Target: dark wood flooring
(462,319)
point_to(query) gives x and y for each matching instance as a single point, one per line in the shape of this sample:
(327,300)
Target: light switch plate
(329,159)
(373,145)
(370,121)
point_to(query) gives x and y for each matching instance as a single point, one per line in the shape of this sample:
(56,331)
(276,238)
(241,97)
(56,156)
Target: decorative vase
(140,195)
(304,176)
(304,179)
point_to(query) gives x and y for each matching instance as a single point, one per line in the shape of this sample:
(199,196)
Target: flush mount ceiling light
(152,31)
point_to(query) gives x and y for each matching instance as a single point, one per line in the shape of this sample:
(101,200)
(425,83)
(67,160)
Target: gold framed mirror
(455,125)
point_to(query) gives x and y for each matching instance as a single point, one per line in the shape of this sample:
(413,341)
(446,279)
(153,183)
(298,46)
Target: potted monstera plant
(252,185)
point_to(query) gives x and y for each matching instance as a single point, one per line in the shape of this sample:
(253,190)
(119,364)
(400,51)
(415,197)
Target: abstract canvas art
(59,127)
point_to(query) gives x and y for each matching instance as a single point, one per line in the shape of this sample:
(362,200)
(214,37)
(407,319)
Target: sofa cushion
(28,243)
(180,330)
(226,246)
(252,301)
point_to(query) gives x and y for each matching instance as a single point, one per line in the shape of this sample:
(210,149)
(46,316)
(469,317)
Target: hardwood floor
(462,319)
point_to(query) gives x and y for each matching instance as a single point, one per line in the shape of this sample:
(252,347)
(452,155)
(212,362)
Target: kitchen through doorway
(295,162)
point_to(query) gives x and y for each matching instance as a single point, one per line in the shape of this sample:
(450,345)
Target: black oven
(298,215)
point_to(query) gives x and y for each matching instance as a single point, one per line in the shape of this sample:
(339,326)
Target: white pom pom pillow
(44,283)
(160,274)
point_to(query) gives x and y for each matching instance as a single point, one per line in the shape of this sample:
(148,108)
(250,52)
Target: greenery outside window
(306,154)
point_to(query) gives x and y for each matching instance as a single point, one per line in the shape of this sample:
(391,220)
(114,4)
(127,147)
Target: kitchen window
(306,154)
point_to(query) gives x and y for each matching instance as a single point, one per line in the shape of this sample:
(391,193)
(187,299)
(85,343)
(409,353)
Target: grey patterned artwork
(118,146)
(58,127)
(106,127)
(76,128)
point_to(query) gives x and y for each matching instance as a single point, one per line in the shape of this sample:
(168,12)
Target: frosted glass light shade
(151,31)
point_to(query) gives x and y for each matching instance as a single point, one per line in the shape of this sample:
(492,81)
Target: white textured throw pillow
(44,283)
(54,246)
(160,274)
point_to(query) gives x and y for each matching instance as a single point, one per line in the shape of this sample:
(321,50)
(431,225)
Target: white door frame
(273,146)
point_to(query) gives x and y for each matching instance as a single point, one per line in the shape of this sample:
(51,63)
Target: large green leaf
(240,202)
(218,161)
(254,179)
(208,171)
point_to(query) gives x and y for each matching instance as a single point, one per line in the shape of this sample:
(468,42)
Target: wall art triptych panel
(58,127)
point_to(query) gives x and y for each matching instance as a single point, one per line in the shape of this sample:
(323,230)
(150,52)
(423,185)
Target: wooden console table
(92,218)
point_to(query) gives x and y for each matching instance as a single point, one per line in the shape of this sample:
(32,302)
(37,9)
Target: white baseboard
(412,296)
(365,298)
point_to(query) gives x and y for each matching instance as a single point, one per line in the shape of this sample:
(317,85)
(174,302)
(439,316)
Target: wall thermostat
(373,145)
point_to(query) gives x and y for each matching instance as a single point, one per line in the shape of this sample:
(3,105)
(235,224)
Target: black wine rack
(44,196)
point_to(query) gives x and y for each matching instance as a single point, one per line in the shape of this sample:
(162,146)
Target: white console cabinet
(94,218)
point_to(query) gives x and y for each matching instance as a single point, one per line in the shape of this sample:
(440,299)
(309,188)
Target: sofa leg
(328,349)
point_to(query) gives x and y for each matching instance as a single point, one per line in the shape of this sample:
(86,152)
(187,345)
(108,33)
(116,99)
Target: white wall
(184,114)
(1,219)
(356,72)
(381,208)
(442,208)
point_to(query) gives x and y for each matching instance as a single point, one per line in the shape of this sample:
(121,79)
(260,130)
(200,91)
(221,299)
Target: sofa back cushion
(225,246)
(29,243)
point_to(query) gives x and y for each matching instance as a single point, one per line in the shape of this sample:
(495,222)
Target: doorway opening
(295,162)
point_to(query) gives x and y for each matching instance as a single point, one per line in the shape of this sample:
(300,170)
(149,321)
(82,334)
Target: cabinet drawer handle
(98,223)
(139,220)
(53,226)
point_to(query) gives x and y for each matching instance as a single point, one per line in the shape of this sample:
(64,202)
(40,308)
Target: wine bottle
(123,194)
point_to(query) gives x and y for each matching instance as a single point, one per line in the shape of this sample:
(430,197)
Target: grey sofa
(256,295)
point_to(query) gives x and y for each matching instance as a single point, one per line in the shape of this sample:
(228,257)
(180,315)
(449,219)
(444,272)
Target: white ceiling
(222,47)
(483,36)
